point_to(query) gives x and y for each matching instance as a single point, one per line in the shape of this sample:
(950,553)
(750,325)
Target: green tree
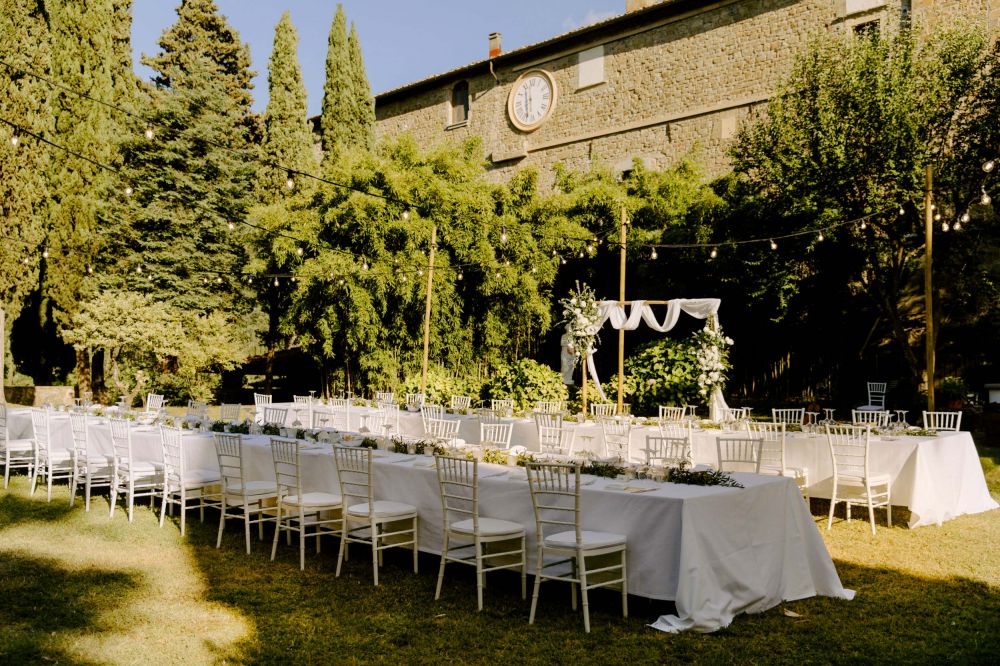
(338,116)
(849,135)
(83,59)
(364,103)
(193,179)
(24,101)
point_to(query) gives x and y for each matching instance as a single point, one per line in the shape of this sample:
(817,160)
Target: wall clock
(532,100)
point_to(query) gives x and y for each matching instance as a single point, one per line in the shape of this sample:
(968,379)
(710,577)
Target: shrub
(525,382)
(441,384)
(664,372)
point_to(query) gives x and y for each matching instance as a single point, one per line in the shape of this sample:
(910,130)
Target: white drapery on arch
(641,311)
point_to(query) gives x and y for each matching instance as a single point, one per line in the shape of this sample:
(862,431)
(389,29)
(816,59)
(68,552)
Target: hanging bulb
(294,279)
(985,199)
(128,190)
(14,140)
(503,235)
(506,262)
(590,249)
(406,214)
(937,217)
(563,261)
(864,225)
(249,279)
(420,272)
(553,253)
(276,282)
(774,246)
(90,270)
(25,261)
(580,255)
(218,280)
(714,253)
(902,211)
(204,280)
(964,219)
(653,255)
(944,226)
(231,225)
(138,269)
(461,275)
(497,275)
(298,251)
(149,132)
(290,182)
(341,282)
(957,226)
(364,264)
(403,279)
(989,165)
(820,237)
(933,206)
(45,253)
(534,269)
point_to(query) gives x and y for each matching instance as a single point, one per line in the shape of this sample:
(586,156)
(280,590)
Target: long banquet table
(716,552)
(936,478)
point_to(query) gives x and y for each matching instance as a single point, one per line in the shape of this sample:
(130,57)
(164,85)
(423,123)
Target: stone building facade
(664,80)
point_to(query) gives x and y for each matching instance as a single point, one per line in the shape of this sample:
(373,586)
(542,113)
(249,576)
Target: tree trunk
(99,384)
(3,352)
(84,383)
(272,339)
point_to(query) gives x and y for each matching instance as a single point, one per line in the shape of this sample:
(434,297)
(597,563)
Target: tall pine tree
(195,176)
(83,48)
(24,101)
(337,119)
(364,103)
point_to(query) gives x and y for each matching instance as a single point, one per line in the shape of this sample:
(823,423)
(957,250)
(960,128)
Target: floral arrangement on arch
(712,355)
(581,317)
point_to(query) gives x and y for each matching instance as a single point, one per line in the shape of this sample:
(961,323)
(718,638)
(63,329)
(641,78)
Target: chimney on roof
(633,5)
(495,48)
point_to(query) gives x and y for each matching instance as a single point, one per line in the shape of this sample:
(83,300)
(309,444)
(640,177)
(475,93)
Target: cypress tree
(195,175)
(83,60)
(287,134)
(337,119)
(364,103)
(24,100)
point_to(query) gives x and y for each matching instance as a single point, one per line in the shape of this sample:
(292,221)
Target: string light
(774,246)
(562,260)
(128,190)
(138,269)
(218,280)
(406,215)
(957,226)
(461,275)
(820,237)
(249,279)
(231,225)
(403,279)
(985,199)
(653,255)
(503,235)
(714,253)
(364,264)
(902,211)
(90,270)
(420,272)
(341,282)
(25,261)
(944,226)
(864,225)
(204,280)
(149,132)
(937,217)
(534,269)
(989,165)
(580,255)
(276,282)
(45,253)
(590,249)
(964,219)
(14,140)
(299,251)
(289,182)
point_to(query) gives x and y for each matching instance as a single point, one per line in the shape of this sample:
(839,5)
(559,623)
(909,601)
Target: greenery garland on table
(270,429)
(693,477)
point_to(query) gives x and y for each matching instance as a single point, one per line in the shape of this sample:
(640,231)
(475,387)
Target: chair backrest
(354,473)
(616,436)
(549,406)
(78,426)
(792,416)
(502,405)
(275,415)
(496,434)
(876,394)
(154,402)
(670,413)
(943,421)
(173,456)
(849,451)
(415,401)
(667,451)
(458,483)
(487,415)
(229,451)
(301,399)
(771,456)
(229,412)
(340,414)
(459,402)
(443,430)
(387,418)
(261,399)
(287,466)
(121,441)
(382,397)
(430,411)
(197,409)
(545,420)
(555,498)
(557,441)
(738,454)
(40,428)
(876,417)
(603,408)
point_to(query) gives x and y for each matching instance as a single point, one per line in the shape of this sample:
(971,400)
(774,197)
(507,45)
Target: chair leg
(131,497)
(624,587)
(72,489)
(833,503)
(871,510)
(343,543)
(888,507)
(302,538)
(222,527)
(48,482)
(582,574)
(376,553)
(277,533)
(479,574)
(86,495)
(524,570)
(114,496)
(444,551)
(183,510)
(415,543)
(538,583)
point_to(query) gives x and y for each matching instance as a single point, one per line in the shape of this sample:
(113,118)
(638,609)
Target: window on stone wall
(460,103)
(590,67)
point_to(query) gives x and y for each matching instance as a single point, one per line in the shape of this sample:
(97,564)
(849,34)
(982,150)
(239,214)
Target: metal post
(929,283)
(427,311)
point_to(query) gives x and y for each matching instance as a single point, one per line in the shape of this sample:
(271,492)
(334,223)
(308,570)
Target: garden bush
(525,382)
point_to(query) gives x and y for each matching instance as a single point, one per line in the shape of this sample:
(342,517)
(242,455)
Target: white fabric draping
(641,311)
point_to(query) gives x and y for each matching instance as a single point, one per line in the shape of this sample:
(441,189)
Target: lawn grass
(78,588)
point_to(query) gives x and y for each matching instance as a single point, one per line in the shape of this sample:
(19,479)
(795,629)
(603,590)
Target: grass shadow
(43,601)
(16,510)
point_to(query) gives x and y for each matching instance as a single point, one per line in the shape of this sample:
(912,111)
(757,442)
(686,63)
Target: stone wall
(678,84)
(34,396)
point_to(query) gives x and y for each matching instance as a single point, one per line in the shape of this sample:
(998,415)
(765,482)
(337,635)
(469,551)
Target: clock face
(531,100)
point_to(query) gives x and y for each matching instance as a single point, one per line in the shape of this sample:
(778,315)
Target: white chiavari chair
(503,406)
(853,480)
(242,498)
(261,399)
(738,454)
(598,409)
(561,539)
(309,514)
(16,453)
(382,397)
(549,406)
(444,432)
(771,458)
(340,414)
(229,412)
(182,485)
(616,437)
(789,416)
(458,482)
(428,412)
(414,401)
(872,417)
(301,399)
(196,409)
(53,463)
(459,402)
(876,396)
(664,451)
(91,469)
(546,420)
(134,478)
(669,413)
(556,441)
(495,435)
(943,421)
(380,523)
(275,415)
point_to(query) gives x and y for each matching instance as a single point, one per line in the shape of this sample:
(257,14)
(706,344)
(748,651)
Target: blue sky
(402,40)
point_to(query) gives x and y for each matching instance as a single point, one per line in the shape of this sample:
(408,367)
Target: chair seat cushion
(58,455)
(588,539)
(383,509)
(97,461)
(316,499)
(201,477)
(874,480)
(19,445)
(795,472)
(141,468)
(488,527)
(253,488)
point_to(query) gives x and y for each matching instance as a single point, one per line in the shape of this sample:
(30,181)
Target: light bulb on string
(128,190)
(14,140)
(299,251)
(989,165)
(580,254)
(562,260)
(402,279)
(90,270)
(820,237)
(497,275)
(933,206)
(902,211)
(294,279)
(204,280)
(364,264)
(964,219)
(45,253)
(553,253)
(985,199)
(289,182)
(590,249)
(149,132)
(864,225)
(231,225)
(341,282)
(276,282)
(957,226)
(534,269)
(420,272)
(406,214)
(138,269)
(937,217)
(714,253)
(25,261)
(503,235)
(774,246)
(461,275)
(218,280)
(653,255)
(945,226)
(249,279)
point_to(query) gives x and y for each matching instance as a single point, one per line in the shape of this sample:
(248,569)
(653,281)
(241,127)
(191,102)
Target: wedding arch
(642,311)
